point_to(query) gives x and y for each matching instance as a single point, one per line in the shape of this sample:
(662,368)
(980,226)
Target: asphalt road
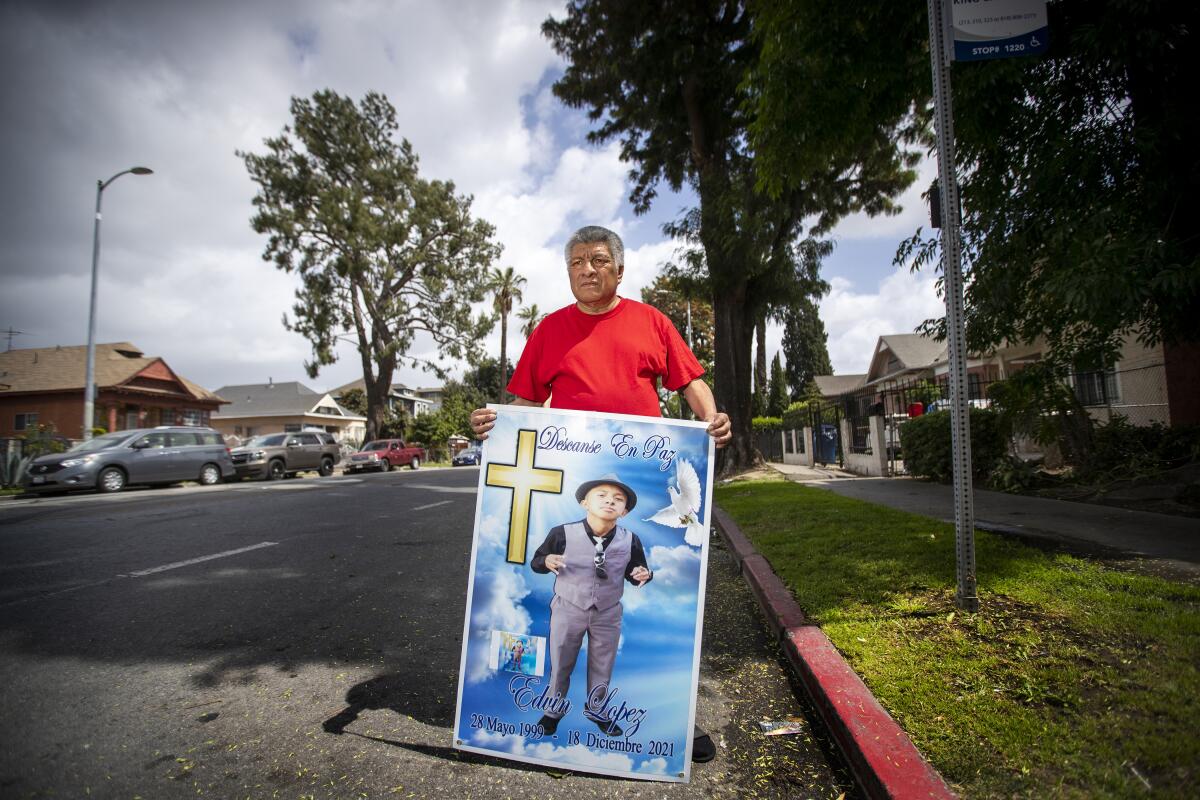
(301,639)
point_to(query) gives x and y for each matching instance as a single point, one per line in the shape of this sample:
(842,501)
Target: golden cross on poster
(524,479)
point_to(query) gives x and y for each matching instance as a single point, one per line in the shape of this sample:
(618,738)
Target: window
(309,438)
(181,439)
(237,430)
(211,438)
(1097,387)
(154,441)
(26,421)
(291,427)
(194,417)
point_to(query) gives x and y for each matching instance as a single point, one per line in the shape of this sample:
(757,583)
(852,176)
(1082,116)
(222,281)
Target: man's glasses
(598,263)
(598,560)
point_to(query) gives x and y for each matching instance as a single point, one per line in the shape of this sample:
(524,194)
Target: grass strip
(1073,679)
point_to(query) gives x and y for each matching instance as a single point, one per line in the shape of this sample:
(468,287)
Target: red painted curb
(882,757)
(735,540)
(884,760)
(776,599)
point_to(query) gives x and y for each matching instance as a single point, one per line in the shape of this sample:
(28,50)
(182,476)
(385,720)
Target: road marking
(433,505)
(177,564)
(441,489)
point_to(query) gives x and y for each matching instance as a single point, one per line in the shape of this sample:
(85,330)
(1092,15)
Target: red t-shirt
(604,362)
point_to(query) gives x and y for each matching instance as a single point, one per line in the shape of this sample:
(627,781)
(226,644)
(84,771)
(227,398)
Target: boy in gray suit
(591,560)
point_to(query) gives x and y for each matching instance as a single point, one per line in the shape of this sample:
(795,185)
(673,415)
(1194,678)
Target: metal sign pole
(940,41)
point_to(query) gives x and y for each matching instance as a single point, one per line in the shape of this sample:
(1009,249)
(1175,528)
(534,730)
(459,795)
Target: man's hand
(639,574)
(555,562)
(719,428)
(482,420)
(700,398)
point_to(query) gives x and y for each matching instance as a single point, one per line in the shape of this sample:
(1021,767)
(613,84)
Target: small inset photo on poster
(518,652)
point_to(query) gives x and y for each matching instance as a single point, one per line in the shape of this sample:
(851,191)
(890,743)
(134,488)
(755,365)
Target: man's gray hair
(590,234)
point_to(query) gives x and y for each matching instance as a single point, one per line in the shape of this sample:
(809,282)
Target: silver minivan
(110,462)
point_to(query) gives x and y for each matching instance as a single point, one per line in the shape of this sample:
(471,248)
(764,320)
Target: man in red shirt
(605,353)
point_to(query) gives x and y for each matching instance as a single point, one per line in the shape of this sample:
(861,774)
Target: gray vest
(577,582)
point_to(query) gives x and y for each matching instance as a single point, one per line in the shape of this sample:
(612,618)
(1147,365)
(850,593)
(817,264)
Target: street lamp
(89,389)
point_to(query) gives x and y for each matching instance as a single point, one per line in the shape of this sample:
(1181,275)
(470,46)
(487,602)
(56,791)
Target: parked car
(110,462)
(469,455)
(279,455)
(384,454)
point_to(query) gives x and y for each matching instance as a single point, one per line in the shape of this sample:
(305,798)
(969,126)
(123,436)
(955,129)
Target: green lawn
(1073,680)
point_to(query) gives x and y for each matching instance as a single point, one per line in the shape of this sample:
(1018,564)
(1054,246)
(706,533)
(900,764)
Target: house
(831,386)
(908,373)
(433,394)
(45,386)
(1135,385)
(414,402)
(259,408)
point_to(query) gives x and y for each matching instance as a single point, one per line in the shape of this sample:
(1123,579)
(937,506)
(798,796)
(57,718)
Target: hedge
(927,449)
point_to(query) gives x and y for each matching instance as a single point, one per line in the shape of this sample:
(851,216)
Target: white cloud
(498,590)
(914,212)
(577,754)
(855,318)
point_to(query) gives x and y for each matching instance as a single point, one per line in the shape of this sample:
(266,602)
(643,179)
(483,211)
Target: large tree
(804,347)
(383,255)
(1080,184)
(671,81)
(505,286)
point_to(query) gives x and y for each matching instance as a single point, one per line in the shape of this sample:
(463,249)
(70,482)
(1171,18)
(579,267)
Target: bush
(927,446)
(766,424)
(1126,449)
(796,417)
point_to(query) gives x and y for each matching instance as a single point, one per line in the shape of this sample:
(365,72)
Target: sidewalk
(1172,542)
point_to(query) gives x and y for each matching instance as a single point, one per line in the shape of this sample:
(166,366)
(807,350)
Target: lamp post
(89,388)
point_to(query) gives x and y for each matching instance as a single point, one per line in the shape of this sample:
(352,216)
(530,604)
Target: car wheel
(275,471)
(110,479)
(385,465)
(210,475)
(415,463)
(326,467)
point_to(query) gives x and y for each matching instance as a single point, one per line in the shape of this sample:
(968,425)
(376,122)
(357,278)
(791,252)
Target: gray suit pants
(568,624)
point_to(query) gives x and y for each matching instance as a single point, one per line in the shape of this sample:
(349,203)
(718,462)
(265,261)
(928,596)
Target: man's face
(594,275)
(607,502)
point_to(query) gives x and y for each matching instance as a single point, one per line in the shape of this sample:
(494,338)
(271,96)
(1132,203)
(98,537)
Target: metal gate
(826,427)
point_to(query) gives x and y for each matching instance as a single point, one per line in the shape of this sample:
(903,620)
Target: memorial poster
(581,643)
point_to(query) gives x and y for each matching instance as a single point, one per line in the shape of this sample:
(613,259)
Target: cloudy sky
(93,88)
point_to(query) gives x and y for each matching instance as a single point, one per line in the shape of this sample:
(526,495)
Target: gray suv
(278,455)
(110,462)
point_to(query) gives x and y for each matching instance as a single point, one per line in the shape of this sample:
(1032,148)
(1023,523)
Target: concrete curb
(883,759)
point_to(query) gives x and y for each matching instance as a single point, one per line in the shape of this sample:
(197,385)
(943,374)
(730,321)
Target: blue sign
(986,29)
(581,644)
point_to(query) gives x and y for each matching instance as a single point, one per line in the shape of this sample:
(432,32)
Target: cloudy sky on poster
(94,88)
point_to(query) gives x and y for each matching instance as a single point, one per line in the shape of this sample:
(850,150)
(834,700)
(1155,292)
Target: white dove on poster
(685,505)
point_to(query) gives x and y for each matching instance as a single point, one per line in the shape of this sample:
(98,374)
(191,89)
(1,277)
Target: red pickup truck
(384,454)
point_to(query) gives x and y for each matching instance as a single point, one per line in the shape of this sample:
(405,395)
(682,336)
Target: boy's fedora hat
(612,480)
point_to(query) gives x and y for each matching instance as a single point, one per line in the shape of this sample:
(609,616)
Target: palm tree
(505,285)
(532,317)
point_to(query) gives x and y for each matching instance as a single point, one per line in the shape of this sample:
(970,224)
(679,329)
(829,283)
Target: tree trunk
(734,331)
(377,391)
